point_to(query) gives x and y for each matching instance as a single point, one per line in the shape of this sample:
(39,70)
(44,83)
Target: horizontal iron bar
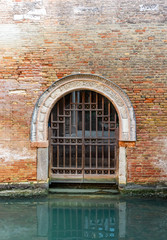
(89,138)
(86,144)
(61,168)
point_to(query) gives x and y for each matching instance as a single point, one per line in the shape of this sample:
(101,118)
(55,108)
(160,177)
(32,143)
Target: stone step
(82,191)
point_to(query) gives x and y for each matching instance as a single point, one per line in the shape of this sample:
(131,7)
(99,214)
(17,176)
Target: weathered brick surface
(124,41)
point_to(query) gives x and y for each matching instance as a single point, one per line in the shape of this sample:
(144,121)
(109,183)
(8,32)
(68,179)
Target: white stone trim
(44,105)
(122,166)
(42,164)
(71,83)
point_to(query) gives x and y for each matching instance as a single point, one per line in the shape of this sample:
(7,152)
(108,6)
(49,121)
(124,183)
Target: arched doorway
(83,137)
(78,82)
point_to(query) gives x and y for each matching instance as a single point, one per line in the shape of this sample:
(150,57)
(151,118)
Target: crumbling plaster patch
(8,155)
(9,35)
(161,158)
(28,10)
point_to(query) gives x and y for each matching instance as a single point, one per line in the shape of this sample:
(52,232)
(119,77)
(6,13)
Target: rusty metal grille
(83,130)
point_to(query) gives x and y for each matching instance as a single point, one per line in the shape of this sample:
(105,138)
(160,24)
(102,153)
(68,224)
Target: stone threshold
(82,191)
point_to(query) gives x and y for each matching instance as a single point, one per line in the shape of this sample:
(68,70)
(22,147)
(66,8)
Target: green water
(75,218)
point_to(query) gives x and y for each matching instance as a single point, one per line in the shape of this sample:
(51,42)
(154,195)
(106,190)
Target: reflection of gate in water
(83,223)
(83,137)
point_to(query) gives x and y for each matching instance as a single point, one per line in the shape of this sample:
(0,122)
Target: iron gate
(83,129)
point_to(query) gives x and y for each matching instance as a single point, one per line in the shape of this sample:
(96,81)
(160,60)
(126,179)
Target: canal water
(83,217)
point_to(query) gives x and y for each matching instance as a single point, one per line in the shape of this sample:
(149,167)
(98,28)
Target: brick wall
(124,41)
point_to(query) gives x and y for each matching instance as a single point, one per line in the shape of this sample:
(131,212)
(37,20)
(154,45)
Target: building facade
(68,67)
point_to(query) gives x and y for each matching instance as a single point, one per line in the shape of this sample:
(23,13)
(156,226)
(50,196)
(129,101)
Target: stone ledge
(83,191)
(40,144)
(23,189)
(17,193)
(130,144)
(150,190)
(24,185)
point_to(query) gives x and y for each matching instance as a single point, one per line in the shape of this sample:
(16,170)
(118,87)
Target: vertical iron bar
(50,144)
(58,134)
(90,147)
(115,141)
(96,128)
(64,132)
(83,133)
(109,134)
(50,138)
(76,155)
(103,131)
(70,129)
(76,127)
(76,111)
(115,156)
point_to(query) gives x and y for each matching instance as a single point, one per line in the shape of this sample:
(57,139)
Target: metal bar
(58,135)
(76,129)
(102,130)
(64,131)
(72,168)
(105,138)
(99,169)
(96,126)
(50,151)
(83,133)
(61,168)
(51,147)
(76,156)
(115,152)
(109,134)
(86,144)
(70,130)
(115,149)
(90,117)
(90,130)
(76,111)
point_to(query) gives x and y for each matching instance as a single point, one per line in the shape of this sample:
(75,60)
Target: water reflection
(89,222)
(86,218)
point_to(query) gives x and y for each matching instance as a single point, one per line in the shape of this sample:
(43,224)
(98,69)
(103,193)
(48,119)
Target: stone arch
(43,107)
